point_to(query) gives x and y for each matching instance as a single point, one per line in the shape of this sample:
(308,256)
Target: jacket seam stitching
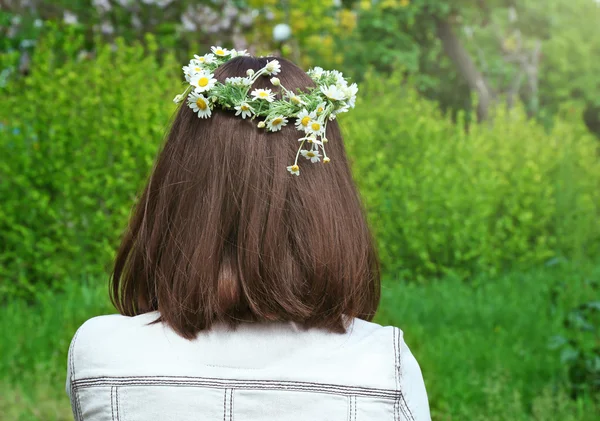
(397,399)
(349,408)
(401,399)
(245,383)
(231,404)
(117,401)
(391,395)
(112,406)
(398,368)
(224,404)
(399,375)
(300,389)
(75,398)
(407,413)
(256,388)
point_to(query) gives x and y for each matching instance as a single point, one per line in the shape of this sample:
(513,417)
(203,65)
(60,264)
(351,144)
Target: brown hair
(222,232)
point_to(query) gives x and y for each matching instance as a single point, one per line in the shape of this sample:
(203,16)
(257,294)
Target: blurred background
(474,144)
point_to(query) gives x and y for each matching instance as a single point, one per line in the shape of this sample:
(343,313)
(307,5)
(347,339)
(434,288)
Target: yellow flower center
(263,94)
(197,69)
(295,167)
(319,110)
(316,127)
(305,121)
(201,103)
(202,59)
(245,107)
(220,52)
(203,81)
(276,121)
(310,154)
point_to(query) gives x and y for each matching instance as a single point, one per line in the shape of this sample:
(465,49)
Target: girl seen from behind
(247,279)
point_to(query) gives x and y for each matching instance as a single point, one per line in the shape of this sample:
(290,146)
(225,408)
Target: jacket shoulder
(97,343)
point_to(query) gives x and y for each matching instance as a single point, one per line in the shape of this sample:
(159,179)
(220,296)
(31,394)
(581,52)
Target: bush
(442,199)
(78,136)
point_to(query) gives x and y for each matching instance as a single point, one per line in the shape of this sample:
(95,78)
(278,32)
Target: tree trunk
(465,66)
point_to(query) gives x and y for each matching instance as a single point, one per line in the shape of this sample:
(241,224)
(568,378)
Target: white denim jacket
(125,369)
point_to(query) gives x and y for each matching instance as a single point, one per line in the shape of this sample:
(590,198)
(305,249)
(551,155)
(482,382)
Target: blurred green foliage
(445,200)
(542,53)
(315,26)
(78,136)
(179,25)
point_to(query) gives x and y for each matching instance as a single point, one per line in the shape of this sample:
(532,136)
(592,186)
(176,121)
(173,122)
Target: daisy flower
(276,123)
(296,99)
(203,81)
(314,156)
(350,93)
(273,67)
(320,108)
(220,51)
(193,68)
(316,72)
(315,127)
(199,104)
(206,58)
(339,77)
(304,118)
(294,169)
(333,92)
(238,81)
(233,80)
(240,53)
(311,139)
(265,94)
(244,109)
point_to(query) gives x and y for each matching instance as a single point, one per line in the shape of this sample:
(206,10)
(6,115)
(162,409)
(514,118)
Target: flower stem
(298,153)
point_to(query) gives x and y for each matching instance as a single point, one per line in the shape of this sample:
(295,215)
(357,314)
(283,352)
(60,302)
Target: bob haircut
(224,233)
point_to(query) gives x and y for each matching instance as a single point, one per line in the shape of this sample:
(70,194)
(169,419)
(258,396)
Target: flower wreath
(311,109)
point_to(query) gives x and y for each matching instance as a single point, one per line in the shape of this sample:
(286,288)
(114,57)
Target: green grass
(483,347)
(486,345)
(34,340)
